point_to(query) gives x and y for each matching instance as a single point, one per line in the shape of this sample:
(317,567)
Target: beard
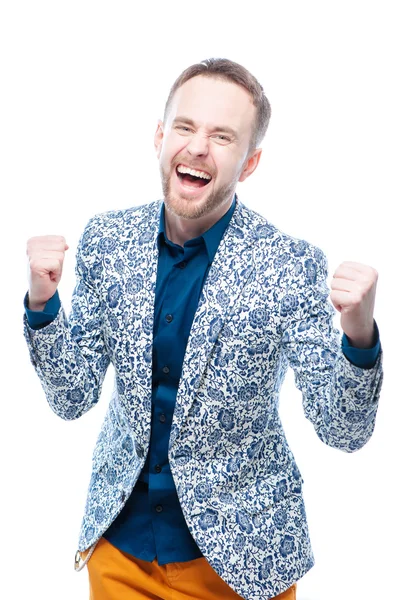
(187,208)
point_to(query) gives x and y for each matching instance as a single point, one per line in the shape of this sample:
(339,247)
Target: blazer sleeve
(69,355)
(339,398)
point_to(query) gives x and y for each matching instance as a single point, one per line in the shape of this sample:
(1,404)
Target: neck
(180,230)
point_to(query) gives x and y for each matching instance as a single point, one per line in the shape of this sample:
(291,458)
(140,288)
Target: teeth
(202,174)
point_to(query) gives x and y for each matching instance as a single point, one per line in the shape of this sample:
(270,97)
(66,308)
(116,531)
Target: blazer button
(165,370)
(157,468)
(162,418)
(169,318)
(159,508)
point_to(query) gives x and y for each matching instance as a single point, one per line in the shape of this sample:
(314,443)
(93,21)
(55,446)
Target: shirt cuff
(365,358)
(38,319)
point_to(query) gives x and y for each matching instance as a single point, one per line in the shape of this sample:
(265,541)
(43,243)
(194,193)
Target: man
(201,304)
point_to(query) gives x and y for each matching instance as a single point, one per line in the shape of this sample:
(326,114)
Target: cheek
(170,151)
(228,166)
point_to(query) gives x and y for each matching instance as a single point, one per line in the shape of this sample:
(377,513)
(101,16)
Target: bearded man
(200,304)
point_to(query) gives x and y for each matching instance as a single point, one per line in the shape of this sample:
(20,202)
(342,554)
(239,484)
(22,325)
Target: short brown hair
(222,68)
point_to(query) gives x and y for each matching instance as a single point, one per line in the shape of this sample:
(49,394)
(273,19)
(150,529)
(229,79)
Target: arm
(339,398)
(70,357)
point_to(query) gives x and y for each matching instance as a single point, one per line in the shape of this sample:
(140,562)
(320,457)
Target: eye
(183,129)
(221,138)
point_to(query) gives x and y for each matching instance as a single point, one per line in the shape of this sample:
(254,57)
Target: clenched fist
(46,256)
(353,290)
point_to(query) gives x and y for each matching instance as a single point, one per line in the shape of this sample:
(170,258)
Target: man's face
(203,146)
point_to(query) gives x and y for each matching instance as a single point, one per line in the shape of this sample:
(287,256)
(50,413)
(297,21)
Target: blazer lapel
(137,327)
(230,271)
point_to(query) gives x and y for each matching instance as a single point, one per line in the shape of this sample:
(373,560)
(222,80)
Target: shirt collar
(211,237)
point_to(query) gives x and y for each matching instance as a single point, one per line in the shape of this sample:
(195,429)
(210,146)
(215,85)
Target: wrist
(35,306)
(364,339)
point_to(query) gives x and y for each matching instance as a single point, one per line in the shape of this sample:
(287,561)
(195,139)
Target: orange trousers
(114,575)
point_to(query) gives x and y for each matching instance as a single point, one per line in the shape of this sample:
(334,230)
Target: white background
(82,86)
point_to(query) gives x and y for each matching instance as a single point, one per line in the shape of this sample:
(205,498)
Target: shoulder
(275,242)
(107,228)
(135,216)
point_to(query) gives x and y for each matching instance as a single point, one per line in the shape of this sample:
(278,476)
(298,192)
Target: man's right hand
(46,256)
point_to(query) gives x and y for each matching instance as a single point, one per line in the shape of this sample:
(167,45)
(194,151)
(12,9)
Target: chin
(188,208)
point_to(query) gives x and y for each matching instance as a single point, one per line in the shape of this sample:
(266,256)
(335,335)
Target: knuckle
(34,265)
(358,297)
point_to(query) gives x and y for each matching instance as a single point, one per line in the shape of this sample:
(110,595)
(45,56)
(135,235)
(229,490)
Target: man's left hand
(353,290)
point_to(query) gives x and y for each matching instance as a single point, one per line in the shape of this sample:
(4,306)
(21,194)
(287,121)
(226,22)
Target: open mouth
(192,178)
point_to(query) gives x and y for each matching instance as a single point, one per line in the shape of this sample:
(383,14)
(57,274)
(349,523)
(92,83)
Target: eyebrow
(223,128)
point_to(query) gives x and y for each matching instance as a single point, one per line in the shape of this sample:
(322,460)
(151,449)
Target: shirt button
(169,318)
(162,418)
(182,265)
(157,468)
(165,370)
(159,508)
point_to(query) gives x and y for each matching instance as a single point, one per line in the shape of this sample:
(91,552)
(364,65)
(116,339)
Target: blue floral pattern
(264,307)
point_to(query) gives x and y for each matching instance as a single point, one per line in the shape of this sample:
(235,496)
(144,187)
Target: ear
(158,138)
(251,164)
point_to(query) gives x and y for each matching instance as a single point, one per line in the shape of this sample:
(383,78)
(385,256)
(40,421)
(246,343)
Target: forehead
(210,101)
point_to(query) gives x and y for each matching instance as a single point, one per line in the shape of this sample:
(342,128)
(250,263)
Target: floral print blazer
(264,306)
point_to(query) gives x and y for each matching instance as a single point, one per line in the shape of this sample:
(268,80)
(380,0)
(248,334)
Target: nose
(198,145)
